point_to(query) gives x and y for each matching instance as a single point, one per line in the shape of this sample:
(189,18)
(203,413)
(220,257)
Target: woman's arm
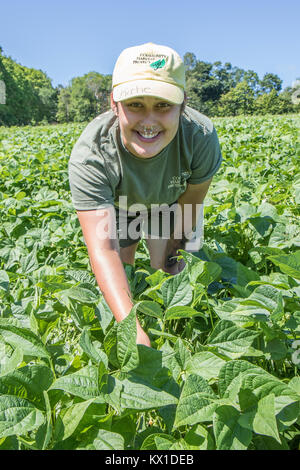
(98,227)
(194,195)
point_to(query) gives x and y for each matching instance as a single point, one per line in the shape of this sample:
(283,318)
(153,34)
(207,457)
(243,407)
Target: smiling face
(147,124)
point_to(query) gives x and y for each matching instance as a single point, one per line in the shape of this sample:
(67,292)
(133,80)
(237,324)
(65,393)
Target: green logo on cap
(158,64)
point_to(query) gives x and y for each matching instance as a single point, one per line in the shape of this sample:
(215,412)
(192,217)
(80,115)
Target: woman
(143,167)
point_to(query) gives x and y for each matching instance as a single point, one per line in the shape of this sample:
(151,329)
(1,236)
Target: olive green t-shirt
(101,169)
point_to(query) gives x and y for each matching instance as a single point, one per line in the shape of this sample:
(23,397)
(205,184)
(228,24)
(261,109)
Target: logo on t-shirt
(179,181)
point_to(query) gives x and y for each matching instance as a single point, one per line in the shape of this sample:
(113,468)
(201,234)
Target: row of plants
(223,369)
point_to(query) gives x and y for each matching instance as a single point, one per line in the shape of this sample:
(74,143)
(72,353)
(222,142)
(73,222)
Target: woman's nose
(149,117)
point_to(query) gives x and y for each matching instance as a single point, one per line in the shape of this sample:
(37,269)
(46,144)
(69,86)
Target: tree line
(214,89)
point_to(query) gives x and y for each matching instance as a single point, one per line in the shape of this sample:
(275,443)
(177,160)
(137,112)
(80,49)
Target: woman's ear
(113,104)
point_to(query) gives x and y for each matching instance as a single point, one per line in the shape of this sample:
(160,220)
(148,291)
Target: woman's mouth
(147,136)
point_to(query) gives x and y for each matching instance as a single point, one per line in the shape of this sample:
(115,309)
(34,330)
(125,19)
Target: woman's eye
(135,105)
(164,105)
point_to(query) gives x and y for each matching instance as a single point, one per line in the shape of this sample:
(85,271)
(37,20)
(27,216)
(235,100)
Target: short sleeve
(207,157)
(89,184)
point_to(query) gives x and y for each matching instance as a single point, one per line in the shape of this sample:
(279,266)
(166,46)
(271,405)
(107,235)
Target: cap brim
(155,88)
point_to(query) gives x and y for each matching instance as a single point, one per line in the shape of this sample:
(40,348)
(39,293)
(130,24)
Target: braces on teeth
(149,132)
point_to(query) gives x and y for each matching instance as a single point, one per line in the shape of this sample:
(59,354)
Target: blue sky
(68,38)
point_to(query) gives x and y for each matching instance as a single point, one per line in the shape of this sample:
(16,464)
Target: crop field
(223,371)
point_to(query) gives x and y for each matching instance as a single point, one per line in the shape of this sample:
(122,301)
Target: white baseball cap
(151,70)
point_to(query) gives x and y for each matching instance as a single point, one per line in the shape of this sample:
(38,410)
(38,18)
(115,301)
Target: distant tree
(46,93)
(268,103)
(237,75)
(64,105)
(214,89)
(189,60)
(270,82)
(203,88)
(223,74)
(207,83)
(100,85)
(252,79)
(287,103)
(239,100)
(84,98)
(30,96)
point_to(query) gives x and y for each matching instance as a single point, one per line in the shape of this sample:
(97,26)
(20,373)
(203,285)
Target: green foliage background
(223,369)
(215,89)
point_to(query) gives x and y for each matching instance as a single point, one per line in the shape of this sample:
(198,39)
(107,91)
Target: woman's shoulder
(95,150)
(194,121)
(100,127)
(97,138)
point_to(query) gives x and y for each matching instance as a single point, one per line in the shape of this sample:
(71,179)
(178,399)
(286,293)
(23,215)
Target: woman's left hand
(172,264)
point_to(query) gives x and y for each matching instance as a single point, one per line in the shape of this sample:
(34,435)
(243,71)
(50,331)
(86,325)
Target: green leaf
(9,361)
(29,263)
(229,434)
(176,290)
(232,374)
(206,364)
(110,345)
(126,426)
(168,336)
(178,312)
(275,349)
(288,264)
(80,275)
(199,438)
(137,394)
(18,416)
(190,259)
(261,419)
(150,442)
(83,384)
(103,313)
(197,402)
(264,296)
(231,340)
(107,440)
(102,376)
(67,422)
(27,382)
(165,443)
(127,352)
(263,384)
(156,278)
(240,376)
(235,311)
(182,354)
(285,234)
(150,308)
(245,275)
(81,294)
(4,281)
(93,350)
(209,273)
(151,368)
(22,338)
(44,432)
(287,411)
(268,443)
(294,383)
